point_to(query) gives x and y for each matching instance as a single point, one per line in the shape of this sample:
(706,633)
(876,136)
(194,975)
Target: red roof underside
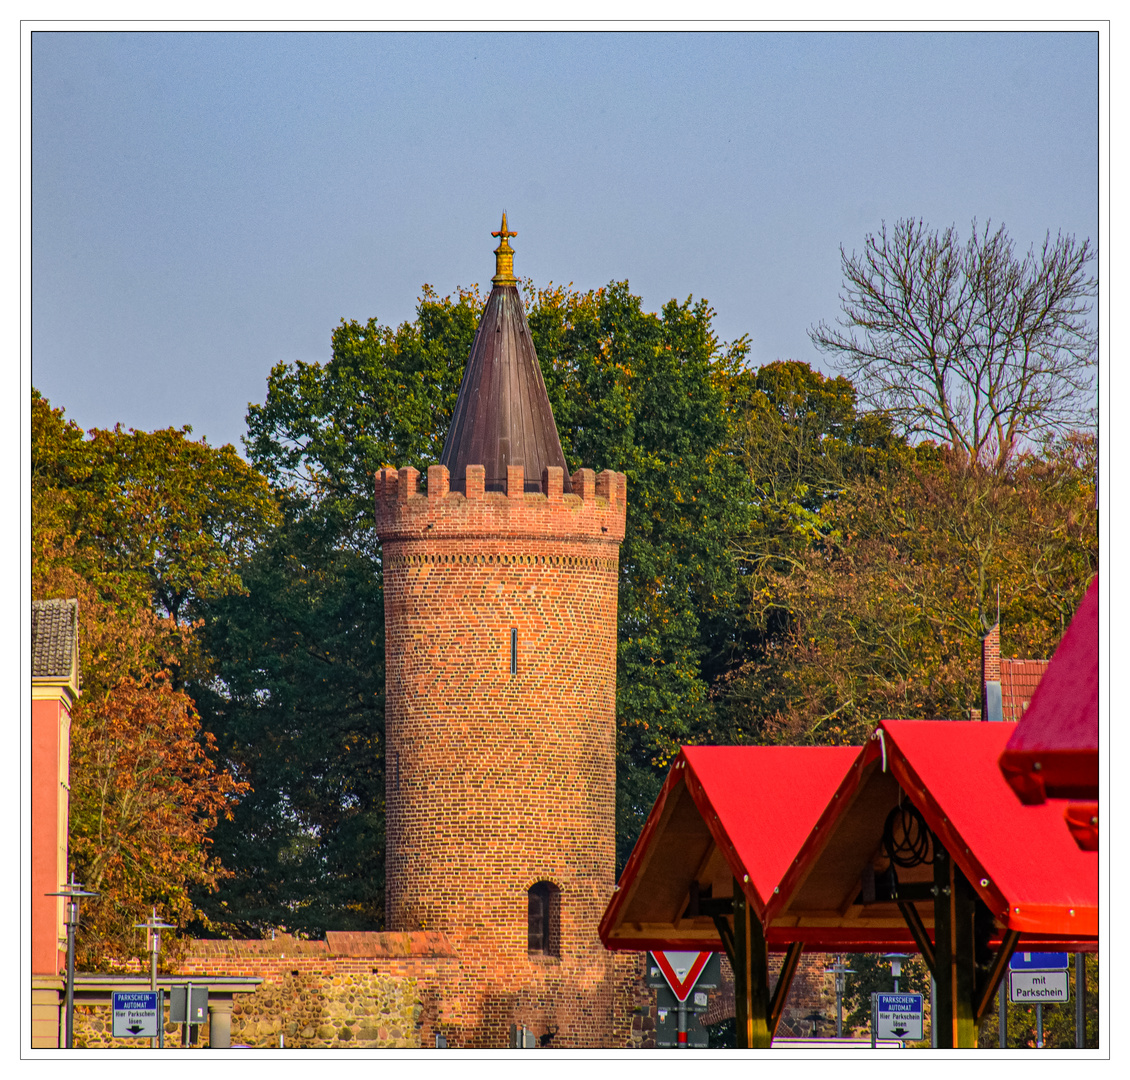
(1060,730)
(767,799)
(1026,854)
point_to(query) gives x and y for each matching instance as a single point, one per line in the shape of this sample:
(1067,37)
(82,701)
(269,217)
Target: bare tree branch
(969,344)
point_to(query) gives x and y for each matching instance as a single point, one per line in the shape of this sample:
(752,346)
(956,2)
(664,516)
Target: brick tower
(500,650)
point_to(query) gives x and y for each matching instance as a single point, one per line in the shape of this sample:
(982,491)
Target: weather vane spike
(504,256)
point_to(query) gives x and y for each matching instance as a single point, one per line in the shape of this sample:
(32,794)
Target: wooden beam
(726,933)
(918,931)
(987,988)
(964,901)
(751,977)
(943,1016)
(784,981)
(954,961)
(743,976)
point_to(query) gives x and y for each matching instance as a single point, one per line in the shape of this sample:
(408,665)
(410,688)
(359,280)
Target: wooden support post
(954,964)
(751,977)
(918,932)
(987,989)
(943,1018)
(964,957)
(784,981)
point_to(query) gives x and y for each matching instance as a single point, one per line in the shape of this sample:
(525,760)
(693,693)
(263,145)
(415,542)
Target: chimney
(991,706)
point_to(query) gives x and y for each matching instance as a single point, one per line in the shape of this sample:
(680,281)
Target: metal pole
(1039,1025)
(188,1015)
(72,922)
(839,1002)
(933,1013)
(72,893)
(1002,1012)
(682,1036)
(153,927)
(154,944)
(1080,1001)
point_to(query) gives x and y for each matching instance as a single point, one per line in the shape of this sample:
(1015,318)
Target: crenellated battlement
(595,510)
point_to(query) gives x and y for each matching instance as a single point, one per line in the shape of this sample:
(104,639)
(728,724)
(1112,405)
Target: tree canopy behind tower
(639,392)
(793,570)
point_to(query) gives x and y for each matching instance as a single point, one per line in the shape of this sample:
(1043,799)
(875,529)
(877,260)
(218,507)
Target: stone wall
(352,990)
(349,1011)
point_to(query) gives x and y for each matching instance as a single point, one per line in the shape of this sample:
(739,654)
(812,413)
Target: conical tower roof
(502,416)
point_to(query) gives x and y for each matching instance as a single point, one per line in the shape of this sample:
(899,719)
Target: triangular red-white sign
(681,970)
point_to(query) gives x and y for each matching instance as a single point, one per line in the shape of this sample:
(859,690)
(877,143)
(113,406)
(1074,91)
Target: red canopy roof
(761,802)
(724,812)
(1054,750)
(1019,859)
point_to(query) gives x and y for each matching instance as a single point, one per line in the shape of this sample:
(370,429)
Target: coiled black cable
(914,847)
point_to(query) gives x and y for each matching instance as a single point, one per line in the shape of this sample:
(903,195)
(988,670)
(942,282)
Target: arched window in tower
(544,918)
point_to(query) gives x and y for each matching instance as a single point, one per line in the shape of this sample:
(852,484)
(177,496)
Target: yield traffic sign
(681,970)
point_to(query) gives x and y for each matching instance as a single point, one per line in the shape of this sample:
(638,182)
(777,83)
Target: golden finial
(504,257)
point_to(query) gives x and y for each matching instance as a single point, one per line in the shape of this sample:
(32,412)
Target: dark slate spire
(502,416)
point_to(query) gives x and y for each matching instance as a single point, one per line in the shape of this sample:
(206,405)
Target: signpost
(896,1016)
(135,1014)
(188,1005)
(1034,978)
(683,970)
(676,976)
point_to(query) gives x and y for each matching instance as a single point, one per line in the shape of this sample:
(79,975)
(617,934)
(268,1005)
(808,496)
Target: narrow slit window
(514,651)
(543,909)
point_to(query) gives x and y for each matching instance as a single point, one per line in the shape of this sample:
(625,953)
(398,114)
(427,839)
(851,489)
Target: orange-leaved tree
(146,785)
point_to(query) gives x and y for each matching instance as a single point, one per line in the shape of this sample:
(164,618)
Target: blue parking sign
(1038,961)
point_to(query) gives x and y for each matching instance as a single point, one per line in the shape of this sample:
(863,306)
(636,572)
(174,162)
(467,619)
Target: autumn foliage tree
(886,607)
(146,789)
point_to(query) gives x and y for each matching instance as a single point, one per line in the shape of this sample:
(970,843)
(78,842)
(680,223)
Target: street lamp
(153,927)
(841,974)
(74,893)
(896,959)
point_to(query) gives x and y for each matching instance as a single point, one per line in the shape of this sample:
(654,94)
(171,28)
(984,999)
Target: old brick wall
(498,780)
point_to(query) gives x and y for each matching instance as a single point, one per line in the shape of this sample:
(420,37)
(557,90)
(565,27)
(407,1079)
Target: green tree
(871,974)
(803,444)
(296,697)
(887,606)
(168,518)
(297,707)
(646,394)
(640,392)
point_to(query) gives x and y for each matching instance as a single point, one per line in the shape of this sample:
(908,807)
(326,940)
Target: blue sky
(205,205)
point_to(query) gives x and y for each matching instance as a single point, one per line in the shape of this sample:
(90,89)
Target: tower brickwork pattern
(500,623)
